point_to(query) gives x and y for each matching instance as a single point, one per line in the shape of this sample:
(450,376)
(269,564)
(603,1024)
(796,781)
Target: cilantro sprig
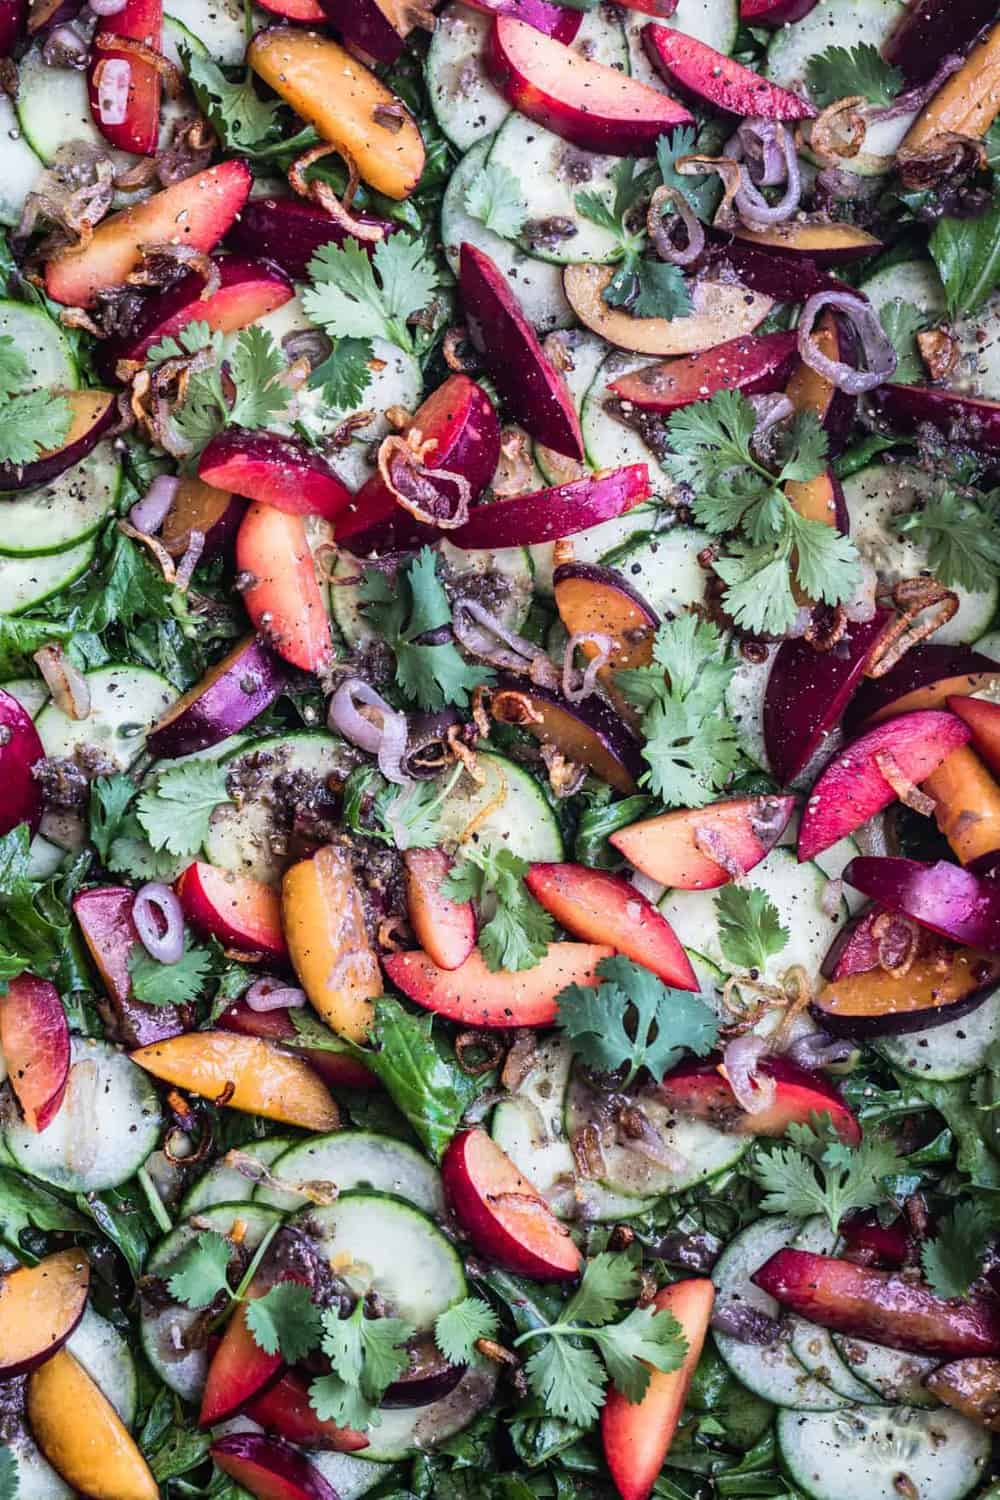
(494,198)
(842,71)
(366,1355)
(961,535)
(517,932)
(255,368)
(357,296)
(820,1174)
(953,1259)
(458,1330)
(647,288)
(403,817)
(175,810)
(750,930)
(32,421)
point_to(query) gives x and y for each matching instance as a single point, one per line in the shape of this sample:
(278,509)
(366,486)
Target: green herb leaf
(517,934)
(367,1354)
(818,1174)
(256,365)
(702,192)
(569,1381)
(494,198)
(175,811)
(650,289)
(200,1271)
(345,375)
(241,119)
(902,322)
(644,1337)
(842,71)
(608,1278)
(109,798)
(953,1260)
(750,930)
(19,640)
(962,538)
(34,931)
(169,984)
(285,1320)
(967,255)
(25,1204)
(31,423)
(336,1400)
(457,1330)
(422,1079)
(361,297)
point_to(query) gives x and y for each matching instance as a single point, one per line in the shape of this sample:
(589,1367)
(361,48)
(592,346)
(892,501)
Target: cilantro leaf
(256,366)
(31,424)
(174,812)
(902,322)
(494,198)
(15,373)
(517,933)
(239,116)
(169,984)
(953,1260)
(361,297)
(962,538)
(701,191)
(650,289)
(842,71)
(200,1271)
(10,1482)
(345,374)
(569,1381)
(367,1355)
(665,1022)
(286,1320)
(132,854)
(645,1337)
(459,1327)
(109,797)
(191,339)
(336,1400)
(646,288)
(818,1174)
(609,1278)
(750,931)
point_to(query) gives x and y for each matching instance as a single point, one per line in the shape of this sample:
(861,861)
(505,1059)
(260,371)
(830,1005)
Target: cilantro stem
(445,791)
(553,1328)
(248,1276)
(156,1207)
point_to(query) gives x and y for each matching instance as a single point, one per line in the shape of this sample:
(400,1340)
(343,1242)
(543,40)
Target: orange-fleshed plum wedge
(927,677)
(194,213)
(474,995)
(199,507)
(808,390)
(278,471)
(967,804)
(592,599)
(753,364)
(340,1070)
(873,1002)
(699,848)
(858,783)
(82,1436)
(971,1386)
(245,1073)
(546,515)
(20,749)
(34,1041)
(228,698)
(711,78)
(600,907)
(701,1090)
(503,1215)
(589,103)
(529,383)
(240,912)
(92,415)
(879,1305)
(270,1469)
(826,244)
(39,1308)
(445,929)
(284,1408)
(347,104)
(105,918)
(284,601)
(125,89)
(983,719)
(590,733)
(636,1436)
(820,499)
(325,931)
(721,311)
(955,903)
(966,104)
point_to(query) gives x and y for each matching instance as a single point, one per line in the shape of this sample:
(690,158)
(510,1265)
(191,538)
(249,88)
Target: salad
(499,749)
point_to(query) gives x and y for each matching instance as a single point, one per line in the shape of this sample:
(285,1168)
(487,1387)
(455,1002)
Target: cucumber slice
(30,692)
(224,1184)
(769,1370)
(44,858)
(352,464)
(522,821)
(27,581)
(915,283)
(349,1476)
(107,1125)
(955,1049)
(666,571)
(97,1345)
(250,839)
(875,496)
(584,353)
(813,1346)
(53,109)
(36,1479)
(64,512)
(537,286)
(406,1432)
(43,343)
(163,1330)
(220,26)
(868,1450)
(20,165)
(175,36)
(466,105)
(609,443)
(714,22)
(125,703)
(977,370)
(745,705)
(381,1243)
(355,1159)
(893,1375)
(551,173)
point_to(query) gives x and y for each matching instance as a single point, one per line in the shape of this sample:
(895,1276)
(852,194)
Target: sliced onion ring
(156,903)
(386,741)
(659,229)
(878,351)
(489,641)
(269,993)
(741,1059)
(575,691)
(149,513)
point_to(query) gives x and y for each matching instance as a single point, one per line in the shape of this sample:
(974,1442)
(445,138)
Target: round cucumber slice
(609,442)
(107,1125)
(890,1373)
(97,1345)
(224,1184)
(913,282)
(44,345)
(125,703)
(64,512)
(30,692)
(27,581)
(745,705)
(512,810)
(20,165)
(714,22)
(355,1159)
(466,105)
(977,370)
(813,1346)
(351,1477)
(956,1049)
(220,26)
(868,1449)
(407,1431)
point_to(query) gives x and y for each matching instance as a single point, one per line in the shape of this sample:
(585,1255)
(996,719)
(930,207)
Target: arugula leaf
(841,71)
(458,1329)
(818,1174)
(367,1355)
(240,118)
(517,934)
(155,983)
(750,930)
(422,1079)
(345,374)
(175,811)
(961,535)
(200,1271)
(10,1482)
(967,255)
(109,797)
(953,1260)
(360,297)
(286,1320)
(902,322)
(494,198)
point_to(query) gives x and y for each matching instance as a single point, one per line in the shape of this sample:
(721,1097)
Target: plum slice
(284,1408)
(711,78)
(502,1214)
(966,103)
(753,364)
(831,244)
(877,1002)
(557,21)
(240,912)
(947,900)
(39,1308)
(13,23)
(892,1244)
(248,290)
(525,377)
(774,12)
(248,1073)
(92,415)
(474,995)
(637,1436)
(808,390)
(722,310)
(347,104)
(197,506)
(854,786)
(196,212)
(283,600)
(82,1436)
(928,675)
(234,692)
(337,1069)
(428,1376)
(460,433)
(603,908)
(125,89)
(983,719)
(967,805)
(697,849)
(701,1090)
(593,105)
(34,1041)
(289,231)
(279,471)
(929,29)
(269,1468)
(105,918)
(781,274)
(445,929)
(325,930)
(20,749)
(971,1386)
(594,599)
(547,515)
(879,1305)
(377,27)
(969,420)
(589,733)
(808,691)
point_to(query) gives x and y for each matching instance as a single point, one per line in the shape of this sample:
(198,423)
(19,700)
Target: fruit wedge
(874,1002)
(546,515)
(20,749)
(39,1308)
(971,1386)
(289,231)
(242,913)
(700,848)
(82,1436)
(325,930)
(34,1042)
(721,311)
(754,363)
(696,71)
(283,600)
(474,995)
(284,1408)
(445,929)
(339,1070)
(244,1073)
(280,471)
(233,692)
(983,719)
(966,804)
(125,89)
(952,902)
(92,415)
(104,914)
(199,507)
(270,1469)
(590,733)
(927,677)
(966,104)
(830,244)
(702,1091)
(905,407)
